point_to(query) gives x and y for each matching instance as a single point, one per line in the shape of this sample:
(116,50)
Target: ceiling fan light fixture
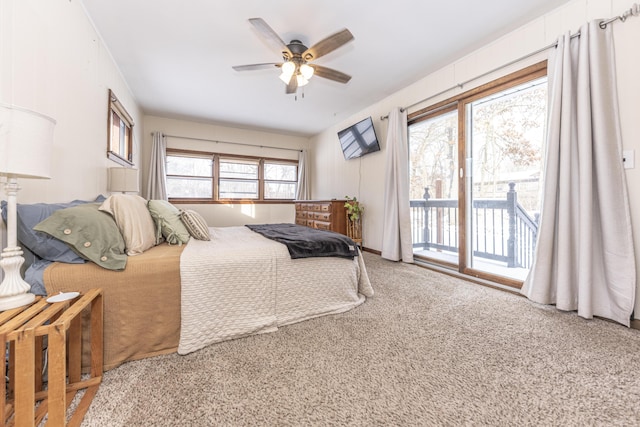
(306,71)
(288,68)
(295,57)
(301,80)
(286,78)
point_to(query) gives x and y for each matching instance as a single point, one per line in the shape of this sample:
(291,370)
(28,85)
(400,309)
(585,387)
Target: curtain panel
(584,257)
(157,179)
(302,190)
(396,233)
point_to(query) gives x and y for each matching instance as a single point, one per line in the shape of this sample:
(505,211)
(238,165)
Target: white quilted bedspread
(241,283)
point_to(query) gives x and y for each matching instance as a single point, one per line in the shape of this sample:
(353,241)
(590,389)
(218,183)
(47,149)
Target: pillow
(195,223)
(41,244)
(90,233)
(34,275)
(134,221)
(168,222)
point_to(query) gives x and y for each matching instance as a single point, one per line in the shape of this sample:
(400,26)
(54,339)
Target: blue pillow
(42,244)
(35,276)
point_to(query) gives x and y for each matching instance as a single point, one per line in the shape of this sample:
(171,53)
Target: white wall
(223,215)
(332,176)
(53,61)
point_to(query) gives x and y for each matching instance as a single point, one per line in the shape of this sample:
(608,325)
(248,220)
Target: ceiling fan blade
(327,45)
(330,73)
(262,66)
(292,87)
(269,35)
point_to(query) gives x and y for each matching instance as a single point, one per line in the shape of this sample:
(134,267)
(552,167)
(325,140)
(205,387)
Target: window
(209,177)
(280,180)
(239,179)
(476,163)
(119,133)
(189,176)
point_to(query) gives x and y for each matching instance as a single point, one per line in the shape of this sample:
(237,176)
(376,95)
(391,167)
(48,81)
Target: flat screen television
(359,139)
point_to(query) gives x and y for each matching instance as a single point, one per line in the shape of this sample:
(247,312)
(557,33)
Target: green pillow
(168,222)
(91,233)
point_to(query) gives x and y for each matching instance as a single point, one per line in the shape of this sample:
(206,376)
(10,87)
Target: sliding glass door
(504,148)
(479,215)
(434,186)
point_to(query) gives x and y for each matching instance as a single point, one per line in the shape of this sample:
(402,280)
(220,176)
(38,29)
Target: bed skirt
(142,303)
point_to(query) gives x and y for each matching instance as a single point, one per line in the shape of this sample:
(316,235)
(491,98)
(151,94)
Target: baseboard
(373,251)
(635,324)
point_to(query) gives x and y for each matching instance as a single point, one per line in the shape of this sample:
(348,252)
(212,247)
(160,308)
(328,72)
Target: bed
(142,303)
(183,297)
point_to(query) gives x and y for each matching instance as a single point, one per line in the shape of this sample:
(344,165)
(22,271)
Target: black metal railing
(503,230)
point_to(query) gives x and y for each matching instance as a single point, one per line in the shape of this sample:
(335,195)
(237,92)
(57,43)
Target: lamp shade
(26,142)
(124,180)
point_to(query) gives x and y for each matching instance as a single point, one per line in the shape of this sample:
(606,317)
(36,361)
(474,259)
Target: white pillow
(134,221)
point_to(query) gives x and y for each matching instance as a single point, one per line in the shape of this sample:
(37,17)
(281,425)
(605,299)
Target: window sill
(118,159)
(229,202)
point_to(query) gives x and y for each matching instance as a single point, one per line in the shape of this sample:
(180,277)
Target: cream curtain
(584,256)
(396,233)
(157,179)
(302,191)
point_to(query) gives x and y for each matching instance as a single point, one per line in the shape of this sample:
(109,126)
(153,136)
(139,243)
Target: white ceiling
(176,56)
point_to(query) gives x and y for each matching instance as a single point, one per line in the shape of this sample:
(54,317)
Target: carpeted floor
(426,350)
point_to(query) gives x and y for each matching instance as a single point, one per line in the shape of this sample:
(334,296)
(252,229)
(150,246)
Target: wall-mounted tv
(359,139)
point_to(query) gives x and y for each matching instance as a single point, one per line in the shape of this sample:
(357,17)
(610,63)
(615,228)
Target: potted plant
(354,209)
(354,219)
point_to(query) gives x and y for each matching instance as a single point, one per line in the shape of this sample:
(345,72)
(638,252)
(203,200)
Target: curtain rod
(632,11)
(229,142)
(462,84)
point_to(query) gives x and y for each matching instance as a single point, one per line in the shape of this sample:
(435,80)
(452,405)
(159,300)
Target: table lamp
(26,139)
(123,180)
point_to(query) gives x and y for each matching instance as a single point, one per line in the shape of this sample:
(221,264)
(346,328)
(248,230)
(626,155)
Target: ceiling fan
(297,68)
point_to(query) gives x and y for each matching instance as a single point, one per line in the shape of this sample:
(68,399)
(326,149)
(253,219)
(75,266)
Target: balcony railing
(502,230)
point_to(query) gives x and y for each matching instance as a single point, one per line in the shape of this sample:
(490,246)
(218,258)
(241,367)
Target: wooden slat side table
(24,401)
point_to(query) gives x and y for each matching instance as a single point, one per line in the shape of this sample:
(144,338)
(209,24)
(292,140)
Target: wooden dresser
(322,214)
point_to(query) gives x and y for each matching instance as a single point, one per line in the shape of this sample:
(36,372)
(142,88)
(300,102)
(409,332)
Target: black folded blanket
(305,242)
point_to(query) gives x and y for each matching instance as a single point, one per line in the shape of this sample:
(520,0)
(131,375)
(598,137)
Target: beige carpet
(427,350)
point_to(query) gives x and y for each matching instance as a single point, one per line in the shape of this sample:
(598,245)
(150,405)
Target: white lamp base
(14,291)
(7,303)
